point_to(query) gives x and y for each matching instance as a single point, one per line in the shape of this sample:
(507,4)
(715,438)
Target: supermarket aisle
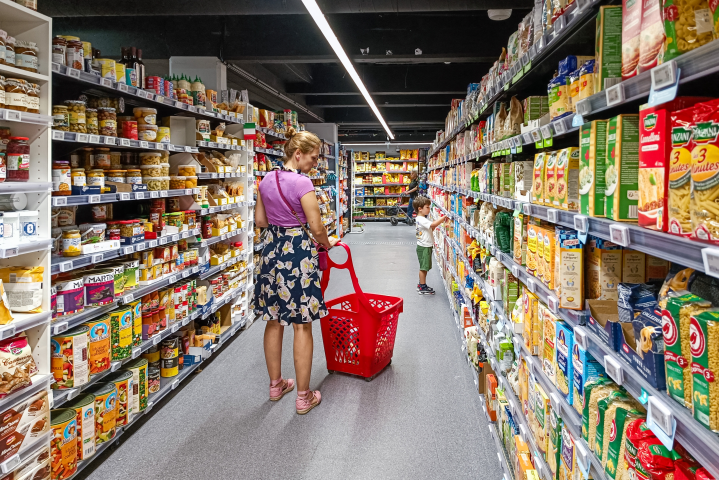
(421,418)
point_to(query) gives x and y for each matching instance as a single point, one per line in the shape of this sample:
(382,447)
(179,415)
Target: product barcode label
(615,95)
(122,87)
(109,140)
(82,137)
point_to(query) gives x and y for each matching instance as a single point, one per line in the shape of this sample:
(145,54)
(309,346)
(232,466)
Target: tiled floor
(419,419)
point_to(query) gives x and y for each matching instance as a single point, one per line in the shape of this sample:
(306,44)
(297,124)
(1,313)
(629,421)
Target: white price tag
(10,464)
(614,95)
(98,258)
(527,208)
(59,201)
(156,339)
(115,366)
(213,175)
(515,271)
(710,256)
(185,321)
(163,193)
(526,138)
(106,82)
(124,142)
(619,234)
(140,195)
(136,352)
(559,24)
(58,135)
(144,144)
(159,98)
(93,199)
(154,194)
(109,140)
(553,304)
(152,244)
(128,298)
(122,87)
(614,369)
(188,191)
(175,327)
(175,238)
(163,240)
(173,278)
(664,75)
(559,127)
(583,459)
(178,104)
(536,135)
(127,250)
(584,107)
(59,327)
(581,223)
(531,285)
(546,132)
(175,383)
(581,338)
(73,72)
(82,137)
(662,415)
(65,266)
(552,215)
(123,196)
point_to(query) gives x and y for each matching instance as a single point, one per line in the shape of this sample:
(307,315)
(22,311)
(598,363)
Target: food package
(704,334)
(564,372)
(608,54)
(541,411)
(651,38)
(520,237)
(23,286)
(621,182)
(679,174)
(514,119)
(566,176)
(6,315)
(614,452)
(549,258)
(531,322)
(549,347)
(558,92)
(585,368)
(687,25)
(550,183)
(571,272)
(499,122)
(592,167)
(613,410)
(603,264)
(554,442)
(631,27)
(16,364)
(568,457)
(539,175)
(594,391)
(705,190)
(586,80)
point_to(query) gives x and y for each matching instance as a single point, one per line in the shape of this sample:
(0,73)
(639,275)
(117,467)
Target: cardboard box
(531,322)
(651,38)
(631,27)
(593,154)
(541,409)
(549,258)
(519,251)
(650,363)
(571,272)
(567,179)
(622,188)
(539,175)
(550,182)
(657,268)
(608,44)
(539,272)
(634,266)
(523,180)
(603,267)
(604,321)
(549,350)
(565,367)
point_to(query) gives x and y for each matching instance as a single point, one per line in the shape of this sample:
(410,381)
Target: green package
(621,176)
(592,164)
(608,47)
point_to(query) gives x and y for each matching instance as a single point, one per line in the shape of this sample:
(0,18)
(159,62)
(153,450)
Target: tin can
(169,361)
(153,380)
(84,407)
(105,412)
(132,274)
(70,296)
(70,359)
(149,327)
(121,322)
(136,307)
(99,348)
(63,450)
(123,384)
(139,394)
(99,288)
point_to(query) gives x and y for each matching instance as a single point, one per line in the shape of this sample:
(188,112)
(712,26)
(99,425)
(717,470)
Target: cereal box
(568,457)
(571,273)
(567,179)
(531,262)
(634,266)
(592,165)
(523,180)
(565,368)
(603,267)
(631,27)
(550,183)
(531,322)
(539,273)
(608,47)
(621,175)
(538,176)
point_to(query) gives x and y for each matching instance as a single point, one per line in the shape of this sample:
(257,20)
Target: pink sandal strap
(278,388)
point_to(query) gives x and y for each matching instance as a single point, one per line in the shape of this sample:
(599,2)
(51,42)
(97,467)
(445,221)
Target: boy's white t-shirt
(424,232)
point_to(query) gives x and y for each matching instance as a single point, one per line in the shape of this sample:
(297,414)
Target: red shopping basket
(360,329)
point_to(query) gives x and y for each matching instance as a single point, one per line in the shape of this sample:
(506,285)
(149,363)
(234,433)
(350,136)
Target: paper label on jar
(33,103)
(96,181)
(18,161)
(10,57)
(61,120)
(58,58)
(2,95)
(77,117)
(78,180)
(92,123)
(3,174)
(112,124)
(13,98)
(102,160)
(26,61)
(134,180)
(150,119)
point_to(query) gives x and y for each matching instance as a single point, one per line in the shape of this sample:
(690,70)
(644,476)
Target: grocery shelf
(7,187)
(120,197)
(383,196)
(22,322)
(220,146)
(14,72)
(8,250)
(40,382)
(272,133)
(62,73)
(382,172)
(380,185)
(85,138)
(65,264)
(29,451)
(210,241)
(222,208)
(384,161)
(211,175)
(218,268)
(229,296)
(25,117)
(270,151)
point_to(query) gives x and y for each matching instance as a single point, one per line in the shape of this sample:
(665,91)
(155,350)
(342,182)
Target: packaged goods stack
(380,182)
(580,260)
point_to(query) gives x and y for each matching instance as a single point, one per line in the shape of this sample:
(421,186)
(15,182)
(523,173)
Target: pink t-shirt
(294,187)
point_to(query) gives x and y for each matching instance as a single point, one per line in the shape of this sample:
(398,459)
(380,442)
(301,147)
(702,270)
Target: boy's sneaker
(419,286)
(425,290)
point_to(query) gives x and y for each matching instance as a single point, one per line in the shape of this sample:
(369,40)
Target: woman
(289,285)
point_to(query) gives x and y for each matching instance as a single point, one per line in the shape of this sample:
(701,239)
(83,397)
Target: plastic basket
(359,332)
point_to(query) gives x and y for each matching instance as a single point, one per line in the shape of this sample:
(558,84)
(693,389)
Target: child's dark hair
(420,202)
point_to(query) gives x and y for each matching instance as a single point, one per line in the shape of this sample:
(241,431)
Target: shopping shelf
(26,117)
(220,146)
(120,197)
(85,138)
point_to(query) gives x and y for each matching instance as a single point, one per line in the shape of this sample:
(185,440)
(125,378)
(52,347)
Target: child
(425,242)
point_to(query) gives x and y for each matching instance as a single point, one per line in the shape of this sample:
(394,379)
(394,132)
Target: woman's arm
(314,218)
(260,214)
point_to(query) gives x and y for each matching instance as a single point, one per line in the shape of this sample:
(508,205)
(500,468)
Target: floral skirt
(289,284)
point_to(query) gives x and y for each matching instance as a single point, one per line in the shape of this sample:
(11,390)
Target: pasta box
(592,158)
(565,369)
(585,368)
(622,186)
(655,147)
(604,321)
(641,344)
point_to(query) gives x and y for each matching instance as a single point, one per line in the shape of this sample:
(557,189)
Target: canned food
(105,412)
(121,322)
(149,327)
(123,384)
(70,358)
(136,307)
(138,368)
(70,296)
(84,407)
(99,344)
(99,288)
(153,380)
(63,448)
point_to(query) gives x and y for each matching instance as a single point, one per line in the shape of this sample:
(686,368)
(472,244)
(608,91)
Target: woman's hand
(333,241)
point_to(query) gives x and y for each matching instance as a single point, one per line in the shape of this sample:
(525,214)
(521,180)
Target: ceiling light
(379,144)
(316,13)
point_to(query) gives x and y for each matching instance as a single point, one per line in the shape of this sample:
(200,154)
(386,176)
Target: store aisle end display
(580,260)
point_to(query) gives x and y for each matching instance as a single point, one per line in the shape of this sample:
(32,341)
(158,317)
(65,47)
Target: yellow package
(532,248)
(548,258)
(549,337)
(567,179)
(540,253)
(571,272)
(541,410)
(5,313)
(530,303)
(23,286)
(539,176)
(550,180)
(602,269)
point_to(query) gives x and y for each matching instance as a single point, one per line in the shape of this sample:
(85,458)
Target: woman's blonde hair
(306,142)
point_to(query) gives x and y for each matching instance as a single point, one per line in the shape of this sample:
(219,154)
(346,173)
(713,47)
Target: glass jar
(190,182)
(147,132)
(117,176)
(3,39)
(96,178)
(133,176)
(190,219)
(4,138)
(163,134)
(150,158)
(91,121)
(59,45)
(61,118)
(115,159)
(61,178)
(151,170)
(128,159)
(18,159)
(165,169)
(15,95)
(187,170)
(145,115)
(86,158)
(207,226)
(102,158)
(2,90)
(71,240)
(177,182)
(26,54)
(153,183)
(76,108)
(113,230)
(33,97)
(74,57)
(108,121)
(78,177)
(164,183)
(3,168)
(10,51)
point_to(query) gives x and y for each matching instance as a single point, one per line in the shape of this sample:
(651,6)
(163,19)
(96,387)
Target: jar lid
(90,110)
(74,102)
(20,138)
(115,171)
(60,106)
(103,149)
(97,170)
(133,170)
(107,109)
(72,231)
(150,154)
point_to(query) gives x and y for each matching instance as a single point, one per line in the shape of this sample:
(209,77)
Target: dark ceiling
(274,49)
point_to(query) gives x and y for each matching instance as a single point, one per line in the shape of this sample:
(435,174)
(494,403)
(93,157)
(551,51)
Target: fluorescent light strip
(383,144)
(319,18)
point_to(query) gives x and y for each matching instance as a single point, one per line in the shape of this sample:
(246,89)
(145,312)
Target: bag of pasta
(688,25)
(704,200)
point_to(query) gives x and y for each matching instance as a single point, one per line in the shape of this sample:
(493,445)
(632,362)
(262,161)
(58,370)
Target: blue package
(565,369)
(567,65)
(585,368)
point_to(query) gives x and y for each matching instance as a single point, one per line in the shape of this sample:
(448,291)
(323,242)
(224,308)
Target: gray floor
(420,419)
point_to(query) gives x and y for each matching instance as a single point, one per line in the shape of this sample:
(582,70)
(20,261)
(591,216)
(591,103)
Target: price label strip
(665,82)
(661,421)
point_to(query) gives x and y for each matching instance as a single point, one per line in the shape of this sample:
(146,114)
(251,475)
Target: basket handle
(347,265)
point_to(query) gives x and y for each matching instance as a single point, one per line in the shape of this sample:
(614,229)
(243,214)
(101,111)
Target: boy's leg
(423,277)
(425,264)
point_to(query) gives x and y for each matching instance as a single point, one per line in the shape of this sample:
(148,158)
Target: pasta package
(704,347)
(602,269)
(616,464)
(608,47)
(566,177)
(651,37)
(564,373)
(680,167)
(538,190)
(549,341)
(571,272)
(594,391)
(24,288)
(687,25)
(592,165)
(568,456)
(607,408)
(541,411)
(621,179)
(705,172)
(631,27)
(554,441)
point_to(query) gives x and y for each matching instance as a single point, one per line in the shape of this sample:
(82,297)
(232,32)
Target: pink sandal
(278,388)
(307,400)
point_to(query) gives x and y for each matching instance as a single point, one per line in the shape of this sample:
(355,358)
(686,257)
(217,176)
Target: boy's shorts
(424,254)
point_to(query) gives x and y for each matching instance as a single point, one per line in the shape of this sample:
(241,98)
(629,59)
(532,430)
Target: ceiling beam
(372,59)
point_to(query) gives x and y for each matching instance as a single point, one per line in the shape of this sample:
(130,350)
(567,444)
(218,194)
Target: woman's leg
(273,348)
(410,208)
(303,347)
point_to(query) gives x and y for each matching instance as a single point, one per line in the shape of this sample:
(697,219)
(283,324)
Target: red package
(655,462)
(637,434)
(702,474)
